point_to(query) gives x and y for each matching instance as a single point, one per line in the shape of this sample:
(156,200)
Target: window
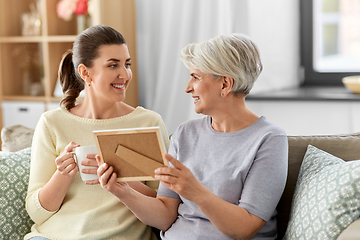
(330,40)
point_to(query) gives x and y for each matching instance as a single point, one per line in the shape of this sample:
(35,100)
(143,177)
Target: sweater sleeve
(42,167)
(164,134)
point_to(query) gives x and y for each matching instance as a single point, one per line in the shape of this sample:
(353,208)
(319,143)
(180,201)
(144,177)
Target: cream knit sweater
(88,211)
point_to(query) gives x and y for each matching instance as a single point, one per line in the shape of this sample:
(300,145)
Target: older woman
(229,167)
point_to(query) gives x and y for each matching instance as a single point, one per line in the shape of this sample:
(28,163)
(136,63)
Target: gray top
(247,168)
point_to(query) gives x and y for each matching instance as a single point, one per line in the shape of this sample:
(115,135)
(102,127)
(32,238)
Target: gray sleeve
(266,179)
(165,192)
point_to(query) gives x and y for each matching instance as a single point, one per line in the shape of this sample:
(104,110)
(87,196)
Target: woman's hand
(52,194)
(107,179)
(225,216)
(90,163)
(65,163)
(180,179)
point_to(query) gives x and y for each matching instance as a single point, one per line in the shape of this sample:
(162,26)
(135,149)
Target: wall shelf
(29,64)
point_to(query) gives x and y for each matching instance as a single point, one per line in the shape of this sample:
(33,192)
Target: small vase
(82,23)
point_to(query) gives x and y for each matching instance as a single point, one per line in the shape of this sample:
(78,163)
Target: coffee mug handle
(76,160)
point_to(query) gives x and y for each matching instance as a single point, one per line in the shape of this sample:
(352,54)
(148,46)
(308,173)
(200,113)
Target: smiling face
(205,90)
(111,73)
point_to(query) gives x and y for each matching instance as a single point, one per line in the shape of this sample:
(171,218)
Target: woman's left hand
(180,179)
(107,180)
(90,163)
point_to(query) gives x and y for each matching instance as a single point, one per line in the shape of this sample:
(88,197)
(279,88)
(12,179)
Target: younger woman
(59,202)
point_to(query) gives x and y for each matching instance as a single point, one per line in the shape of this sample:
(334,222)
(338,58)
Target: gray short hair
(233,55)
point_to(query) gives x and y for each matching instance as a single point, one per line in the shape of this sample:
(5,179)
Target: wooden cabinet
(29,64)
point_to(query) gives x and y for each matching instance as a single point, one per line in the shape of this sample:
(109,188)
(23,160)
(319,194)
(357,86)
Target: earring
(89,84)
(222,94)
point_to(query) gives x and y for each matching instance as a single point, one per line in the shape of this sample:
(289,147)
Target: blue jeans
(39,238)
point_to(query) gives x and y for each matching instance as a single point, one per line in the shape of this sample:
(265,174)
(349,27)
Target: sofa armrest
(352,232)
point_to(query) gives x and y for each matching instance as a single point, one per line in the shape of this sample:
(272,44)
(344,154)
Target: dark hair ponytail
(71,85)
(85,50)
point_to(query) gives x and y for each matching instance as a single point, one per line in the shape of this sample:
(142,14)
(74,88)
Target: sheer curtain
(164,27)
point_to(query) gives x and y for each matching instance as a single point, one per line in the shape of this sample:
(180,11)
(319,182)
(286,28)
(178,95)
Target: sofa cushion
(14,177)
(326,196)
(16,137)
(344,146)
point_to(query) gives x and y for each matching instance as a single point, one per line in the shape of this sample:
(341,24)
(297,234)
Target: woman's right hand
(52,194)
(65,163)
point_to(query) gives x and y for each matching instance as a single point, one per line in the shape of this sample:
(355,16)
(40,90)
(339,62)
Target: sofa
(330,153)
(336,148)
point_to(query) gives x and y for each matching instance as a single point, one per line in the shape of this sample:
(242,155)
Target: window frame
(310,76)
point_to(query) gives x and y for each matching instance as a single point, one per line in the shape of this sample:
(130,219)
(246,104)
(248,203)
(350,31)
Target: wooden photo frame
(134,153)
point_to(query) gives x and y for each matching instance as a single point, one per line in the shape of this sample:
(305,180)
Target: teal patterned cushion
(14,177)
(326,198)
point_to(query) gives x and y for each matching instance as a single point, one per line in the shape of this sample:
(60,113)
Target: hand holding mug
(65,162)
(85,158)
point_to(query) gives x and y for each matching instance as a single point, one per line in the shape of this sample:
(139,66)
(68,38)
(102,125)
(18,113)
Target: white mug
(80,155)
